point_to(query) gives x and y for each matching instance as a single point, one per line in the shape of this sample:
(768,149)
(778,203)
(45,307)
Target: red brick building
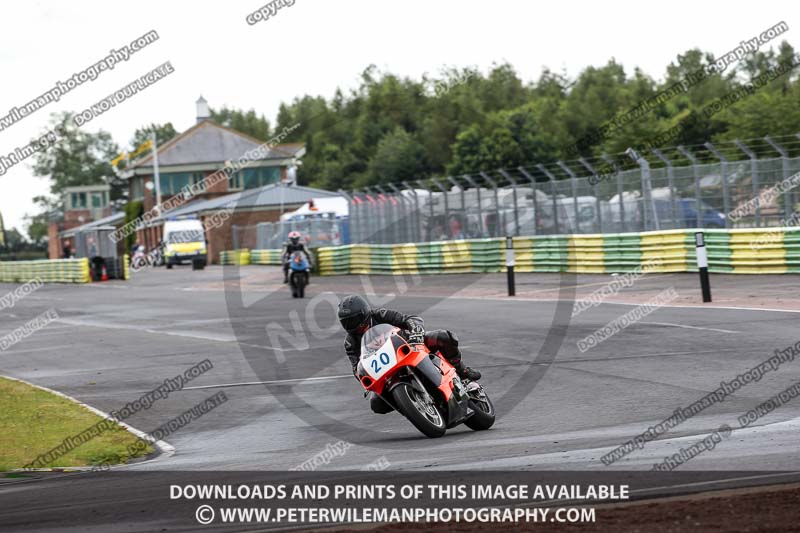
(81,205)
(245,210)
(189,158)
(259,192)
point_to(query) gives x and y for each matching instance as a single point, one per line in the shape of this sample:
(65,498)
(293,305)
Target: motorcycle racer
(356,316)
(293,244)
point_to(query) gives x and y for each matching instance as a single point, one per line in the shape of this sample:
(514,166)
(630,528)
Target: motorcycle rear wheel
(419,410)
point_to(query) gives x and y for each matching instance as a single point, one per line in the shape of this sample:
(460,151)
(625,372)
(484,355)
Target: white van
(183,240)
(588,217)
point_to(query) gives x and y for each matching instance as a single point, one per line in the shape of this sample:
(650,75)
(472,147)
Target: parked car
(686,210)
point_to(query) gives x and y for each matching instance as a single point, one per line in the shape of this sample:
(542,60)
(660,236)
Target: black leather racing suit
(438,340)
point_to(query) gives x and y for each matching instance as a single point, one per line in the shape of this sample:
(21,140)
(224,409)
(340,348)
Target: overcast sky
(314,46)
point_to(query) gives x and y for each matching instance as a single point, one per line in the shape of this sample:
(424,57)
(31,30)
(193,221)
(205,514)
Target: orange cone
(104,276)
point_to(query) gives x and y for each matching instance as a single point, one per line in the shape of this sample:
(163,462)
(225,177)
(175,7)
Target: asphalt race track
(291,395)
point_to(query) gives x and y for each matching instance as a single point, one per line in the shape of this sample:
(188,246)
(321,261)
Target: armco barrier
(46,270)
(754,251)
(736,251)
(250,257)
(235,257)
(265,257)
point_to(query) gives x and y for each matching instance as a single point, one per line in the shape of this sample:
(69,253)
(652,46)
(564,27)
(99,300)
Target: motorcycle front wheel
(420,410)
(483,418)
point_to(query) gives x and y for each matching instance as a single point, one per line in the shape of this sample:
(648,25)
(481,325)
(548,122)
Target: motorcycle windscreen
(298,261)
(378,354)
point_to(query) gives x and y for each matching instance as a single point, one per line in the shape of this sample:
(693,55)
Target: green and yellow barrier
(235,257)
(265,257)
(736,251)
(754,251)
(46,270)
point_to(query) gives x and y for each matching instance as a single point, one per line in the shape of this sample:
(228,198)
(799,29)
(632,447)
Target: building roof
(88,188)
(338,205)
(208,143)
(111,220)
(259,198)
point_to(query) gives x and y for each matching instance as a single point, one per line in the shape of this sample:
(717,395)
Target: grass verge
(34,422)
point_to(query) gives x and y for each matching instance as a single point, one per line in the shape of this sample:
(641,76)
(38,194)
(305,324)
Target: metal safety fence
(727,185)
(272,235)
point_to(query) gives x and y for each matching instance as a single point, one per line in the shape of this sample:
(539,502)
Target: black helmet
(354,313)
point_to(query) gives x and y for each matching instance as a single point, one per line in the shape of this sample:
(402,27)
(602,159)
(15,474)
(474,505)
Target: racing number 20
(375,367)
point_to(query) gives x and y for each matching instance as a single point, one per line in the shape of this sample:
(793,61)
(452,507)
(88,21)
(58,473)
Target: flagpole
(282,184)
(156,174)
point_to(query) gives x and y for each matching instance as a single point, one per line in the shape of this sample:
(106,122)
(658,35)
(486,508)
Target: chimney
(203,112)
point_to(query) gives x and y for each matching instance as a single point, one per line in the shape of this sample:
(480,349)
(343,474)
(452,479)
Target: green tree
(247,122)
(399,156)
(77,158)
(164,132)
(133,210)
(468,155)
(510,139)
(771,109)
(37,224)
(37,228)
(462,120)
(14,239)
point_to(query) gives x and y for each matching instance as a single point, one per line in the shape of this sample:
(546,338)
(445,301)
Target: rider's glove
(417,335)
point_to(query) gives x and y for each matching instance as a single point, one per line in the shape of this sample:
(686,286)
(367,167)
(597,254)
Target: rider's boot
(447,344)
(465,372)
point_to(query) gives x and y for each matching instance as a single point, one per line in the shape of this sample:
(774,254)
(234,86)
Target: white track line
(194,335)
(528,300)
(581,458)
(11,351)
(711,482)
(274,382)
(191,335)
(688,327)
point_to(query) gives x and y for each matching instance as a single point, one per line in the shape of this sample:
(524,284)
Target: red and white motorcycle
(419,384)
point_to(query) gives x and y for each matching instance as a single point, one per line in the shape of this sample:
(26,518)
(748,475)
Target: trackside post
(510,265)
(702,265)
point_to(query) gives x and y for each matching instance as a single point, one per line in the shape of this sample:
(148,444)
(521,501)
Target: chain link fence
(724,194)
(730,185)
(273,235)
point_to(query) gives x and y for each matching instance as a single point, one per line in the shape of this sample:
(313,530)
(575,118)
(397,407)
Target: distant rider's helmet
(354,314)
(294,237)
